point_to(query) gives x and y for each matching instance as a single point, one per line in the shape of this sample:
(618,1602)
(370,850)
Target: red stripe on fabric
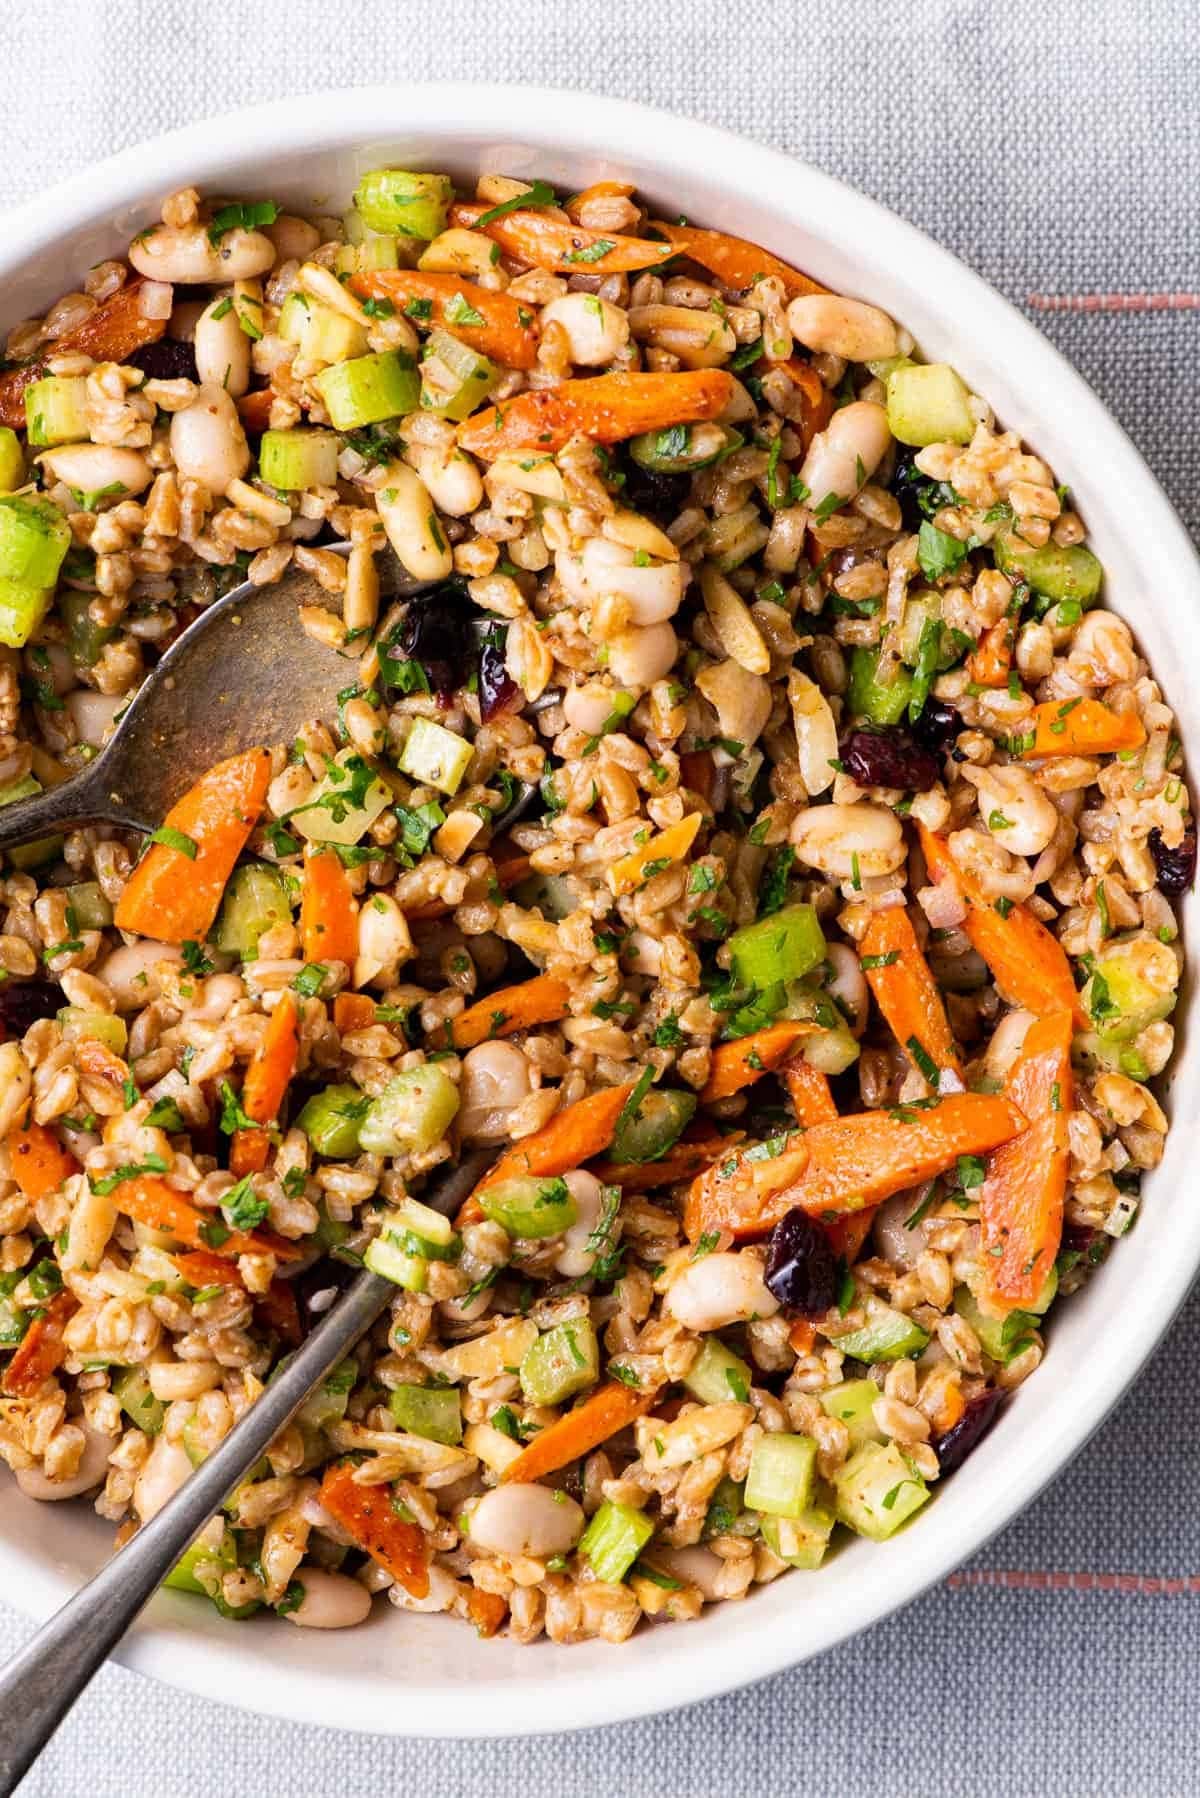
(1138,1585)
(1115,302)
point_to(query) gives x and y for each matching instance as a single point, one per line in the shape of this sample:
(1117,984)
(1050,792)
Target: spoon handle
(84,799)
(41,1683)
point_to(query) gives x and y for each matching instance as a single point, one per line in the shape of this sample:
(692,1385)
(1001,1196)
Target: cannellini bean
(816,732)
(845,841)
(222,348)
(847,985)
(575,1258)
(495,1077)
(526,1520)
(719,1290)
(742,701)
(207,440)
(92,1468)
(539,475)
(294,238)
(1015,810)
(698,1567)
(442,1585)
(842,458)
(453,480)
(170,1380)
(896,1243)
(163,1473)
(384,941)
(331,1600)
(653,592)
(93,1219)
(596,330)
(406,507)
(588,707)
(184,253)
(835,326)
(639,657)
(699,339)
(99,467)
(1006,1042)
(131,972)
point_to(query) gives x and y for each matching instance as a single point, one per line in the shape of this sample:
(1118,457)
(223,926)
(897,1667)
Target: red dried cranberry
(23,1002)
(953,1447)
(908,483)
(802,1269)
(166,360)
(432,636)
(937,726)
(497,689)
(1176,868)
(659,496)
(889,757)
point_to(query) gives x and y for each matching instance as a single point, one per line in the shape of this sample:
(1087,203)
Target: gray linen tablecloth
(1056,148)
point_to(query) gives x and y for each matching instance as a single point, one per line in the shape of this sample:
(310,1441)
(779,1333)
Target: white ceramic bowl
(429,1676)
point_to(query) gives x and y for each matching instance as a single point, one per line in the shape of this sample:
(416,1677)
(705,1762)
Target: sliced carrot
(328,909)
(808,1089)
(487,1610)
(500,328)
(1021,1211)
(111,333)
(801,1337)
(629,872)
(41,1350)
(278,1310)
(573,1136)
(267,1079)
(150,1201)
(606,408)
(818,400)
(1027,961)
(736,263)
(609,1409)
(950,1410)
(1081,727)
(37,1160)
(908,996)
(173,895)
(683,1161)
(738,1064)
(988,665)
(848,1234)
(367,1516)
(543,241)
(1040,1080)
(353,1011)
(254,410)
(542,1000)
(249,1151)
(847,1165)
(598,190)
(203,1267)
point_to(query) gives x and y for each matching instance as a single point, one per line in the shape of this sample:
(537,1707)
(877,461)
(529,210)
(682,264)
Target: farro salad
(811,1011)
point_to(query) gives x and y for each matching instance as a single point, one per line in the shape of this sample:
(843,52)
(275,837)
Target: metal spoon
(41,1682)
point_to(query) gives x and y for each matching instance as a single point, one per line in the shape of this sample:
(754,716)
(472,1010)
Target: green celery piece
(331,1120)
(562,1362)
(529,1207)
(404,204)
(882,702)
(614,1539)
(434,1412)
(785,946)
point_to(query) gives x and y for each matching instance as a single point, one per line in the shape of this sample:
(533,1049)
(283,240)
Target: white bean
(719,1290)
(588,707)
(163,1473)
(595,329)
(170,1380)
(331,1600)
(526,1520)
(848,985)
(222,348)
(639,657)
(849,841)
(1014,808)
(835,326)
(183,253)
(698,1567)
(99,467)
(294,238)
(453,480)
(897,1244)
(495,1077)
(131,972)
(653,591)
(207,440)
(92,1468)
(575,1259)
(842,458)
(406,507)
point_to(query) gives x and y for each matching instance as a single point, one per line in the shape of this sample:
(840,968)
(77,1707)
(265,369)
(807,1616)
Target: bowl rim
(586,123)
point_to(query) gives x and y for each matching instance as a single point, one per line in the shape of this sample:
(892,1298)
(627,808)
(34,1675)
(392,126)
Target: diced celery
(38,854)
(1094,1052)
(293,316)
(564,1361)
(344,804)
(85,638)
(929,403)
(779,1482)
(331,1120)
(22,608)
(924,609)
(727,1514)
(658,1121)
(327,1404)
(1072,572)
(614,1539)
(411,1114)
(454,377)
(674,451)
(883,702)
(331,1232)
(12,461)
(831,1051)
(435,756)
(214,1543)
(368,389)
(375,253)
(408,205)
(435,1231)
(91,910)
(785,946)
(878,1490)
(1130,988)
(800,1541)
(322,334)
(56,410)
(25,788)
(386,1256)
(548,893)
(536,1208)
(256,899)
(304,457)
(853,1403)
(34,538)
(100,1026)
(194,1446)
(1003,1338)
(131,1389)
(886,1335)
(434,1412)
(717,1374)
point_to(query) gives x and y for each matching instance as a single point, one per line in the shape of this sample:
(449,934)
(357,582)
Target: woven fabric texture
(1056,148)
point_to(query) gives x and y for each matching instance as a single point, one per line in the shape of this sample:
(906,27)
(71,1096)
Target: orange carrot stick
(738,1064)
(328,910)
(736,263)
(848,1165)
(801,1337)
(1021,1211)
(37,1160)
(1040,1080)
(353,1011)
(203,1267)
(817,398)
(150,1201)
(907,995)
(501,328)
(1081,727)
(988,665)
(109,334)
(267,1080)
(606,408)
(544,241)
(366,1515)
(542,1000)
(572,1137)
(1028,963)
(683,1161)
(487,1610)
(173,895)
(848,1234)
(808,1089)
(609,1409)
(41,1350)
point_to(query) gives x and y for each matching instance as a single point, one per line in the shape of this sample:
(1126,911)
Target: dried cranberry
(497,689)
(908,484)
(166,360)
(23,1002)
(890,757)
(956,1444)
(434,635)
(937,726)
(802,1269)
(1176,867)
(659,496)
